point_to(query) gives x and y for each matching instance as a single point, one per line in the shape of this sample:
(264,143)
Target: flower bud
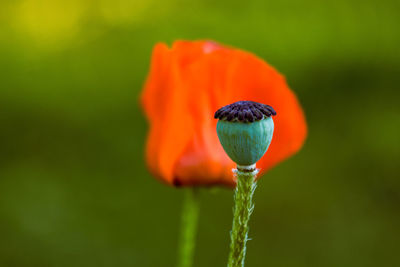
(245,130)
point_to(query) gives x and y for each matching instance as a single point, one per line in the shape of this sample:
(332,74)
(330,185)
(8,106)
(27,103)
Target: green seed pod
(245,130)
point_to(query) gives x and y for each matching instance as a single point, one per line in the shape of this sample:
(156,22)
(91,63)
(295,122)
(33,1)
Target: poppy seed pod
(245,130)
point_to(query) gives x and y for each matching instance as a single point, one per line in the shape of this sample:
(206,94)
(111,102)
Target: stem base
(243,199)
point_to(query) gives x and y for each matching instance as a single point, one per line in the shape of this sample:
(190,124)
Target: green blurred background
(74,189)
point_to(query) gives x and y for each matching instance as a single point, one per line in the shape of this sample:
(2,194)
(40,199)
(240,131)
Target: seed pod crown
(244,111)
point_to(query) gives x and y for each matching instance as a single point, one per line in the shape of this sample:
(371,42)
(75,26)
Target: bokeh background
(74,189)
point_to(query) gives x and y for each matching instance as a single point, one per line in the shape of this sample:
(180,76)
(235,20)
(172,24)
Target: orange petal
(203,161)
(186,85)
(164,101)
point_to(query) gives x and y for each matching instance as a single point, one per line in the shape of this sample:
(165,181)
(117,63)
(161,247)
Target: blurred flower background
(74,189)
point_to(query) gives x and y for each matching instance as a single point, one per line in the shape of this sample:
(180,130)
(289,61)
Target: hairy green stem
(244,192)
(190,214)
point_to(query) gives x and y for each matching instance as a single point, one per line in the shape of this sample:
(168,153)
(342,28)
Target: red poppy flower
(186,85)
